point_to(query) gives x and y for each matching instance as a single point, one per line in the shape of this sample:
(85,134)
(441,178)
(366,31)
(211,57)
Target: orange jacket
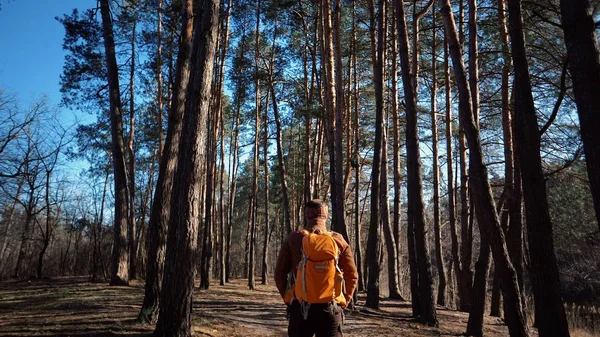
(290,255)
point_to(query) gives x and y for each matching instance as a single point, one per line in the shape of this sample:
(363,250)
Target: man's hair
(315,203)
(315,209)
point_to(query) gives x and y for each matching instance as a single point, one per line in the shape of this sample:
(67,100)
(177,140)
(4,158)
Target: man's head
(315,209)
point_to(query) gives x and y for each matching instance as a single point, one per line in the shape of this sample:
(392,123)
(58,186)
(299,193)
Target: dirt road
(75,307)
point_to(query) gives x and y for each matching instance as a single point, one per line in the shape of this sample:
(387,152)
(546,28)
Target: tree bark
(550,313)
(479,291)
(253,196)
(175,317)
(416,214)
(373,243)
(120,258)
(512,180)
(584,65)
(390,241)
(338,206)
(159,79)
(397,216)
(441,295)
(234,152)
(456,261)
(358,250)
(131,163)
(8,221)
(287,216)
(161,205)
(223,236)
(485,207)
(482,266)
(46,234)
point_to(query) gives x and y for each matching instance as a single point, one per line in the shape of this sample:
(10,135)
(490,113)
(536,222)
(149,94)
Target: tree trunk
(175,317)
(46,234)
(97,255)
(287,216)
(390,241)
(265,251)
(482,266)
(584,65)
(441,295)
(120,258)
(334,116)
(338,190)
(223,236)
(131,163)
(475,323)
(486,210)
(512,176)
(466,282)
(254,195)
(397,215)
(209,197)
(234,151)
(25,236)
(161,205)
(140,247)
(456,261)
(358,250)
(159,79)
(373,243)
(550,312)
(8,221)
(496,295)
(416,214)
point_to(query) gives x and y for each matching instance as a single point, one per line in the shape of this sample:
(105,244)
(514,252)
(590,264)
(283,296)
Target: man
(322,319)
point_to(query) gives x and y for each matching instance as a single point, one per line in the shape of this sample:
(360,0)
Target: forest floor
(76,307)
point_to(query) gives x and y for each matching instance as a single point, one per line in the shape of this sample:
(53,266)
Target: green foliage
(83,81)
(576,237)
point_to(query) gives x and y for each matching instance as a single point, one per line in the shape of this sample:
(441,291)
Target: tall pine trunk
(222,211)
(416,207)
(485,207)
(175,317)
(131,163)
(356,160)
(550,313)
(456,261)
(253,202)
(338,206)
(161,205)
(397,216)
(374,243)
(120,258)
(441,295)
(584,65)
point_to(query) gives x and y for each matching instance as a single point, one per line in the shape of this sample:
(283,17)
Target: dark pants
(324,320)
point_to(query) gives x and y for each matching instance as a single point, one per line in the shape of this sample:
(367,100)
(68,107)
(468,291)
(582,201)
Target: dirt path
(75,307)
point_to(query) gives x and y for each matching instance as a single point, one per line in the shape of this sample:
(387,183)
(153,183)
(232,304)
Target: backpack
(318,277)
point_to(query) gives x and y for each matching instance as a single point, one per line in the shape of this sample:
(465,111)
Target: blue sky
(31,56)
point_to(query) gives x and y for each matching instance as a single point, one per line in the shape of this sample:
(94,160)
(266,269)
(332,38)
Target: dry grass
(76,307)
(582,333)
